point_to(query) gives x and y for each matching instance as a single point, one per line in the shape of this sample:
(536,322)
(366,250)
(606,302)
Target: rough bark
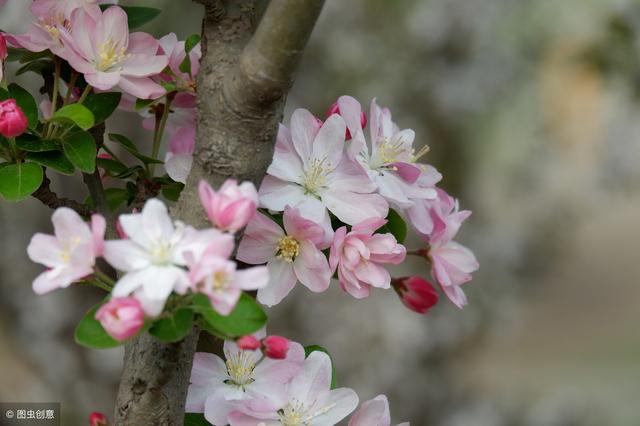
(242,86)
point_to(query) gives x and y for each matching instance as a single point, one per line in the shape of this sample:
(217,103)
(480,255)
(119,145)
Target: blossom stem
(85,93)
(104,278)
(72,85)
(54,96)
(159,131)
(100,284)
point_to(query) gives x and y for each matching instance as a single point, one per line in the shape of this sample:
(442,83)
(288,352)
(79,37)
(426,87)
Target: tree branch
(242,85)
(51,199)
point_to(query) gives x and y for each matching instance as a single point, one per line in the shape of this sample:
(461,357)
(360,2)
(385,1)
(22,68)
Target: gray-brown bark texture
(244,77)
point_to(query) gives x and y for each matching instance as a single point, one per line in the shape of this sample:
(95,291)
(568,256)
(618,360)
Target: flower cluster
(157,257)
(248,388)
(330,199)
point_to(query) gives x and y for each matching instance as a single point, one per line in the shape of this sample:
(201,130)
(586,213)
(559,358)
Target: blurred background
(531,111)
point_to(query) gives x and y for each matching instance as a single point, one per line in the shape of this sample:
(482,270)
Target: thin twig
(52,200)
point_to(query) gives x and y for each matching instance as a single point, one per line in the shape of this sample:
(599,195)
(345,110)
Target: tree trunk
(242,85)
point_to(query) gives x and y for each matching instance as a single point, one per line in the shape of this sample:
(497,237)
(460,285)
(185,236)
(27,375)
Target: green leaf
(128,172)
(80,149)
(90,333)
(395,225)
(116,197)
(18,181)
(102,105)
(4,95)
(133,150)
(173,328)
(31,143)
(314,348)
(172,192)
(143,103)
(191,42)
(138,16)
(247,317)
(78,114)
(26,103)
(185,65)
(36,66)
(55,160)
(111,165)
(195,419)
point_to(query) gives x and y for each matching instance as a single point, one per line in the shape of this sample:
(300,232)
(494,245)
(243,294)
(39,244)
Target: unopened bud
(275,347)
(248,343)
(416,293)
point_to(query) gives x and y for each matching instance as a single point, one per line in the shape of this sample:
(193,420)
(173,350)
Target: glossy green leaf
(195,419)
(191,42)
(80,149)
(55,160)
(31,143)
(174,328)
(172,192)
(102,105)
(37,67)
(132,149)
(247,317)
(19,180)
(395,225)
(90,333)
(313,348)
(116,197)
(78,114)
(26,102)
(111,165)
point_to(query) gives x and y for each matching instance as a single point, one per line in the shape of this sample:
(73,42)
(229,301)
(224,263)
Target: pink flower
(102,49)
(416,293)
(3,54)
(232,206)
(390,159)
(69,255)
(48,8)
(121,318)
(335,109)
(360,254)
(310,400)
(179,157)
(98,419)
(451,263)
(175,50)
(310,172)
(275,347)
(13,122)
(216,276)
(291,255)
(156,253)
(246,380)
(374,412)
(250,343)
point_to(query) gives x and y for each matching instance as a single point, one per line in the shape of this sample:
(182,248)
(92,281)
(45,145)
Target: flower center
(393,151)
(110,55)
(296,413)
(69,247)
(161,253)
(240,368)
(315,177)
(219,281)
(288,248)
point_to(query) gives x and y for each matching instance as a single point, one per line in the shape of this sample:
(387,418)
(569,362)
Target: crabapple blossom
(13,121)
(98,419)
(374,412)
(3,54)
(416,293)
(121,318)
(359,255)
(102,49)
(311,401)
(232,206)
(155,253)
(248,343)
(245,380)
(70,254)
(275,347)
(175,51)
(310,172)
(335,109)
(179,157)
(292,254)
(451,263)
(390,161)
(217,277)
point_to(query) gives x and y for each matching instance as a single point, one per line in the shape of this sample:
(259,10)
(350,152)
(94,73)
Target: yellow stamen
(288,248)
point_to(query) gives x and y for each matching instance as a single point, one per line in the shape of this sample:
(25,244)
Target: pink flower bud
(13,122)
(3,48)
(275,347)
(416,293)
(121,317)
(232,206)
(120,231)
(335,109)
(97,419)
(248,343)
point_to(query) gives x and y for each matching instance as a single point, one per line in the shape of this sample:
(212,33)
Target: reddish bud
(416,293)
(248,343)
(275,347)
(3,48)
(13,122)
(335,109)
(97,419)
